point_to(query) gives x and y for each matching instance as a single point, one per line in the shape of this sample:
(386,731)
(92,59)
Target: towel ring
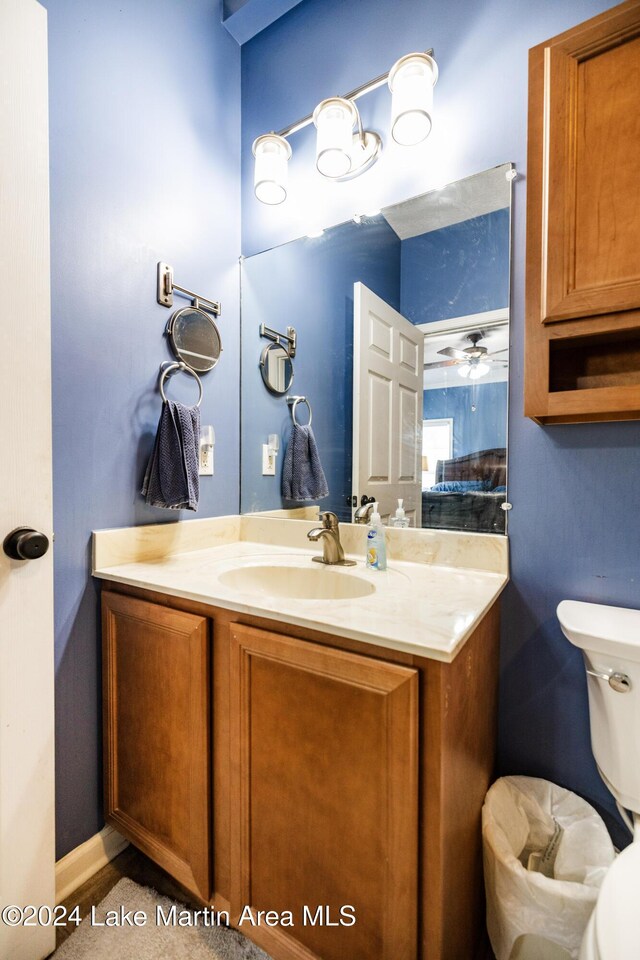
(168,369)
(293,403)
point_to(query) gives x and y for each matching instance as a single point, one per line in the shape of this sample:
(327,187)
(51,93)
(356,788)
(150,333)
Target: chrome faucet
(332,552)
(363,513)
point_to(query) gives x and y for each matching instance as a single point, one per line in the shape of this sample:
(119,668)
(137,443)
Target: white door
(27,854)
(387,406)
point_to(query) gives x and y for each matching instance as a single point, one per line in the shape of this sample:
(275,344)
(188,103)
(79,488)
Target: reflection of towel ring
(293,403)
(168,369)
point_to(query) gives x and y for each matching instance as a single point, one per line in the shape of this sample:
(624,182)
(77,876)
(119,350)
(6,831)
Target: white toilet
(609,638)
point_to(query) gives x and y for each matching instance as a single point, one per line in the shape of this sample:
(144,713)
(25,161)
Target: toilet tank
(609,638)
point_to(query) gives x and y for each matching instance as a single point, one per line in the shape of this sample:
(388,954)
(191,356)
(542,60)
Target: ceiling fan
(472,362)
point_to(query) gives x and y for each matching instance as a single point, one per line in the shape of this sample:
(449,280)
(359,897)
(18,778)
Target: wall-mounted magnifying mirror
(194,338)
(276,367)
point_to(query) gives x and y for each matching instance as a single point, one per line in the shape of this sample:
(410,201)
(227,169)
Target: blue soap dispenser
(376,546)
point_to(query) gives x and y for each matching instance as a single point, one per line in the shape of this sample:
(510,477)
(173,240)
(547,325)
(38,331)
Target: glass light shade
(411,81)
(334,120)
(478,370)
(464,369)
(272,154)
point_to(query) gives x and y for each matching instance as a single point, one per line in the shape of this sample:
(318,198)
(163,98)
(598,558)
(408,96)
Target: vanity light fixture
(343,148)
(272,154)
(411,81)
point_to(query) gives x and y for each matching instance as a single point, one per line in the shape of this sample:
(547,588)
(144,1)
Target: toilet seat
(613,932)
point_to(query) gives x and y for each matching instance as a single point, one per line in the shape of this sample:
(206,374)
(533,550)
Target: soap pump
(401,519)
(376,546)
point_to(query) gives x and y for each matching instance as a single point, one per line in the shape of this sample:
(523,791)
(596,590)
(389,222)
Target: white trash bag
(546,852)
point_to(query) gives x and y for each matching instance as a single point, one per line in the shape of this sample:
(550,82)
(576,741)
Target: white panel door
(27,855)
(387,405)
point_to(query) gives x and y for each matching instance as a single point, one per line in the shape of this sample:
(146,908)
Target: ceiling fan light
(478,370)
(464,370)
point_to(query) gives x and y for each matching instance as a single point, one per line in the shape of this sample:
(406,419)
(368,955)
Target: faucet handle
(329,520)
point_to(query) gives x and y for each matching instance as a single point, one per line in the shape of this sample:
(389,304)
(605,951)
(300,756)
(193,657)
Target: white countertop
(425,608)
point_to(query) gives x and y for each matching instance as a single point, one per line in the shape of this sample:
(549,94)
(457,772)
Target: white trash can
(546,852)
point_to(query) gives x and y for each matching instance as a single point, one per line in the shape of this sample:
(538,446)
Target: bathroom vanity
(301,761)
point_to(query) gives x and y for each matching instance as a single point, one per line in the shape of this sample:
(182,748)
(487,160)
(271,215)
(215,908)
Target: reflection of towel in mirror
(302,474)
(171,479)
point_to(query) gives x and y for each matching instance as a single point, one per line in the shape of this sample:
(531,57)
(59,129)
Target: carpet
(160,938)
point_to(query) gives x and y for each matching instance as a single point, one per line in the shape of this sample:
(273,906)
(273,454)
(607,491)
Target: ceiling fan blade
(452,352)
(441,363)
(497,353)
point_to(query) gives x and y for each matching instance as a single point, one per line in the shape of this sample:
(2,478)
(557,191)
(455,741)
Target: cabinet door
(156,734)
(324,794)
(583,207)
(591,199)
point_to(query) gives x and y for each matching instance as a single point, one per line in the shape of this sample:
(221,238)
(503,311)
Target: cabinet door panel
(325,795)
(592,131)
(156,720)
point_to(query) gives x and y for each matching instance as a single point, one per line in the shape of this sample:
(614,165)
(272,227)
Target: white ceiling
(462,200)
(496,338)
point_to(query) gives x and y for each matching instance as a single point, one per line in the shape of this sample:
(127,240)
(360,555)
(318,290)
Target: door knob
(24,543)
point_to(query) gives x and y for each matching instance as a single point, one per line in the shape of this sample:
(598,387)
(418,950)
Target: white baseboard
(80,864)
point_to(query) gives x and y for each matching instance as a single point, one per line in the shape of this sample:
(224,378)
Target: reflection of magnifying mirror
(276,367)
(194,338)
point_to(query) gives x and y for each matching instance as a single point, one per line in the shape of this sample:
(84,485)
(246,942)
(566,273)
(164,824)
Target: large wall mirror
(402,321)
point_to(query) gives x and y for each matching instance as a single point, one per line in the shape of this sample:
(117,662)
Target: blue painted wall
(479,413)
(457,270)
(453,272)
(573,531)
(144,141)
(310,284)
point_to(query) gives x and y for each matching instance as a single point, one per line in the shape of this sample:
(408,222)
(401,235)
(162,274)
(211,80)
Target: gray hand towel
(302,474)
(171,479)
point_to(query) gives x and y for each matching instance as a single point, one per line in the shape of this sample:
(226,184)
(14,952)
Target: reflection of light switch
(269,454)
(268,461)
(207,441)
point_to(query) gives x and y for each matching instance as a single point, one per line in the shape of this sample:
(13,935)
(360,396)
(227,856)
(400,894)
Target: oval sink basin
(297,583)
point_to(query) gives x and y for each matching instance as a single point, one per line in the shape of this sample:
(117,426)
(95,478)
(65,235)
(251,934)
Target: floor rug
(161,937)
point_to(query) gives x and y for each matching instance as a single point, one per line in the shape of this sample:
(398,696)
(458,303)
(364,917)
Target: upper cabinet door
(591,182)
(583,210)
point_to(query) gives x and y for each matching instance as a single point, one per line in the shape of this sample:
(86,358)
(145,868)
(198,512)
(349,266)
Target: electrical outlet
(205,464)
(205,451)
(268,461)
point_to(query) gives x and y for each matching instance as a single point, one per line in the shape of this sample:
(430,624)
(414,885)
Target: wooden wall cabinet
(582,358)
(268,767)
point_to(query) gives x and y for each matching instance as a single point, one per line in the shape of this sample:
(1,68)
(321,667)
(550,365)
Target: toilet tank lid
(584,624)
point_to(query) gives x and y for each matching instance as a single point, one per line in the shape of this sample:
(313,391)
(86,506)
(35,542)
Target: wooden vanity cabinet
(340,776)
(582,357)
